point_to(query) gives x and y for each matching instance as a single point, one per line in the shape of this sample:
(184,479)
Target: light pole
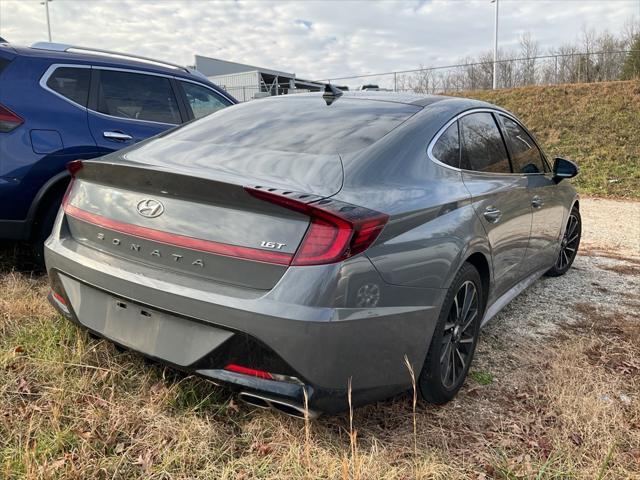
(495,47)
(46,8)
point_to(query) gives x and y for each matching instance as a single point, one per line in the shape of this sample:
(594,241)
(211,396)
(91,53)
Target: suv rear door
(127,106)
(499,197)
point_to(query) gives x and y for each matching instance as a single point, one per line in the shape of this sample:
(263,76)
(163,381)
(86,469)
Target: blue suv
(60,103)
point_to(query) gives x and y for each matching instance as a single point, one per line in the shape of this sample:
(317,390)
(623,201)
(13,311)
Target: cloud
(314,39)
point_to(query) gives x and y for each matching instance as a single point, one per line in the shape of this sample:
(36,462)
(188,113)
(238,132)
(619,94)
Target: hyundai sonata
(292,246)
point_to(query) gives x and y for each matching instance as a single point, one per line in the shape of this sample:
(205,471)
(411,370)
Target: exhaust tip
(291,409)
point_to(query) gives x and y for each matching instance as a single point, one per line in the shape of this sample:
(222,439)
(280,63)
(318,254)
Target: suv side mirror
(563,168)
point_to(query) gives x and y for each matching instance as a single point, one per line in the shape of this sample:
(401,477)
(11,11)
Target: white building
(246,82)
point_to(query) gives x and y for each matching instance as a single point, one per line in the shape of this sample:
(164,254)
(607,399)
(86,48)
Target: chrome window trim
(54,66)
(469,112)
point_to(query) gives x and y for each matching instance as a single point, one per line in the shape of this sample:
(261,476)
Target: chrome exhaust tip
(291,409)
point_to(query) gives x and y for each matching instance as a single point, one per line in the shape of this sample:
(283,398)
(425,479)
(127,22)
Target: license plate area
(155,333)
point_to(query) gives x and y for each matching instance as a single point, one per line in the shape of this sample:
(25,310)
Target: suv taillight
(337,230)
(9,120)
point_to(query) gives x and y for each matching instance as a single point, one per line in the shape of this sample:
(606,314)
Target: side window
(447,147)
(137,96)
(482,147)
(525,155)
(201,100)
(71,83)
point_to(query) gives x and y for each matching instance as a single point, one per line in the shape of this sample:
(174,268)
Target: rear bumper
(297,327)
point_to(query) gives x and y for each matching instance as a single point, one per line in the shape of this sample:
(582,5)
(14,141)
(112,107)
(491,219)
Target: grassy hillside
(597,125)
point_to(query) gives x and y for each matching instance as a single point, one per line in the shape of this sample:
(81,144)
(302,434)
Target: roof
(215,66)
(104,60)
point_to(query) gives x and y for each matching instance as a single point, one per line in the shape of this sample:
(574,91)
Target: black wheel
(42,228)
(455,337)
(568,246)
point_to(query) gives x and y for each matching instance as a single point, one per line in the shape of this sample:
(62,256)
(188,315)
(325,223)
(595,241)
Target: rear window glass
(71,83)
(305,124)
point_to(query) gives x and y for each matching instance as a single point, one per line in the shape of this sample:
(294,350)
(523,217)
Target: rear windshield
(305,124)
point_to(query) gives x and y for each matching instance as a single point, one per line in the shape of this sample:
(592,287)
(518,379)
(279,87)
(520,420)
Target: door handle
(537,202)
(492,214)
(117,136)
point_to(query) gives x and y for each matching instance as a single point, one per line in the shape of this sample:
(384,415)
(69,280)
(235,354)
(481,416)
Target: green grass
(597,125)
(483,378)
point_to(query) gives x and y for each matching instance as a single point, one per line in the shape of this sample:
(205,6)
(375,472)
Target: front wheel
(454,339)
(568,245)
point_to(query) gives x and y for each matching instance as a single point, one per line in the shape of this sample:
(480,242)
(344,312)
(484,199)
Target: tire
(43,227)
(440,380)
(568,245)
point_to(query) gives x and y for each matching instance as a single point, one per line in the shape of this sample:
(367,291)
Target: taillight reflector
(9,120)
(232,367)
(337,230)
(59,298)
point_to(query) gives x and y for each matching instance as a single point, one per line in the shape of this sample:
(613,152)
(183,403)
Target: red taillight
(74,167)
(9,120)
(232,367)
(337,230)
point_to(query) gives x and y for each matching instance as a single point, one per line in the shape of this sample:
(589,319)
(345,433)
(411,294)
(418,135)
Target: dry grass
(71,406)
(594,124)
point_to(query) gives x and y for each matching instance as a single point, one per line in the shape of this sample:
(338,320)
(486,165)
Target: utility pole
(495,47)
(46,8)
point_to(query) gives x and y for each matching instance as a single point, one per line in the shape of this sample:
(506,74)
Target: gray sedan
(298,247)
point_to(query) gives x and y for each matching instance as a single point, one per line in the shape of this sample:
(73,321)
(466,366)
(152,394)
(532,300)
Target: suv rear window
(71,83)
(137,96)
(303,124)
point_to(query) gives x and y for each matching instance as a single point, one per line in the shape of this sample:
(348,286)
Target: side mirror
(563,168)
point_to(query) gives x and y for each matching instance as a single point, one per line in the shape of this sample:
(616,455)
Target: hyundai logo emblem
(150,208)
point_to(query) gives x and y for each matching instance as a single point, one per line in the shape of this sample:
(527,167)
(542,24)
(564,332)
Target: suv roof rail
(62,47)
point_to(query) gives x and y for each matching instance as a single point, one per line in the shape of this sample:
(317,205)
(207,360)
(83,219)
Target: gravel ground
(604,276)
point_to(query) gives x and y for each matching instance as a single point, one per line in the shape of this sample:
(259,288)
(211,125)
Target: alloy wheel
(459,337)
(569,244)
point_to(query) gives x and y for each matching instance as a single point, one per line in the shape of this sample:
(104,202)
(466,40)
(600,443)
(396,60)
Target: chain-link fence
(541,70)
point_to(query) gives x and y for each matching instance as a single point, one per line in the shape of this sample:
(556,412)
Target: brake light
(73,167)
(232,367)
(337,231)
(8,120)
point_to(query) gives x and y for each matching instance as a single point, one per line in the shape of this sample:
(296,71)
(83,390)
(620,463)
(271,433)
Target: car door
(547,207)
(128,106)
(499,197)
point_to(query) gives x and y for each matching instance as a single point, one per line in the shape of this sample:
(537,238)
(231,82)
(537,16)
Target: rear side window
(525,155)
(71,83)
(201,100)
(137,96)
(482,147)
(447,147)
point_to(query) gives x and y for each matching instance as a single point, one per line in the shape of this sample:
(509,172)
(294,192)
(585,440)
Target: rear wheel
(455,337)
(568,245)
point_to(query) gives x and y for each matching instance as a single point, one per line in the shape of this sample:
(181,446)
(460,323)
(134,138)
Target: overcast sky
(314,39)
